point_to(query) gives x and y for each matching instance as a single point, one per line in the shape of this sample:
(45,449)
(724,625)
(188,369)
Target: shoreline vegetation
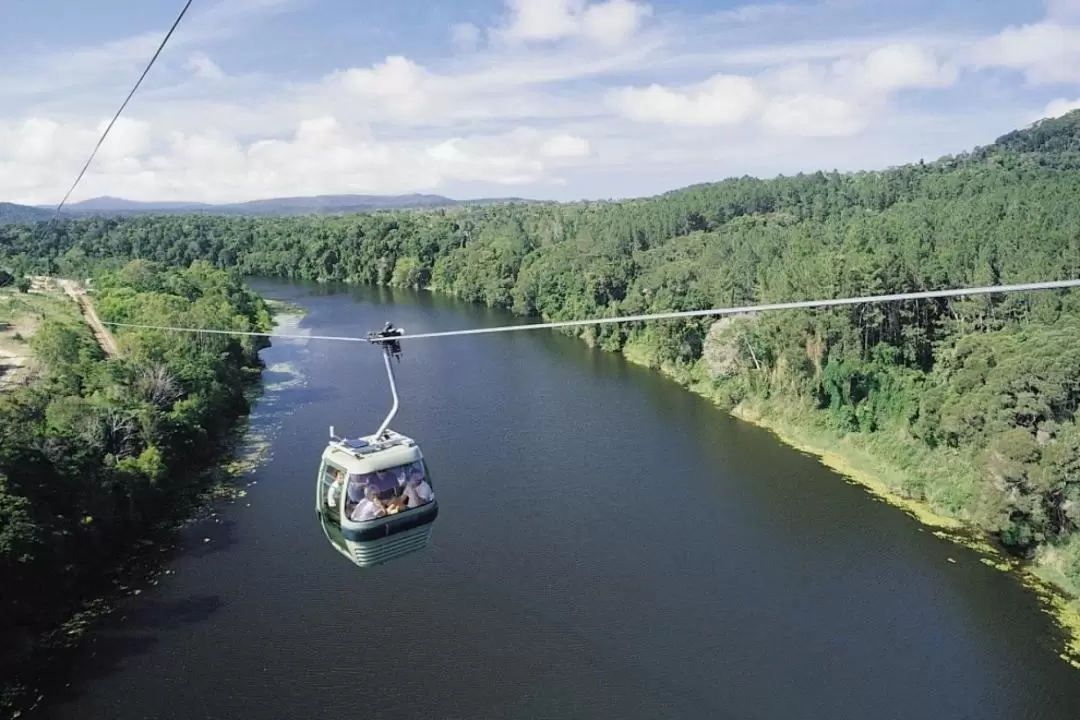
(959,410)
(142,442)
(854,463)
(284,307)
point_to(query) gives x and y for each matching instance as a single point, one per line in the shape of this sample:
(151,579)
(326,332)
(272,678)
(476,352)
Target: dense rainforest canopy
(98,449)
(976,398)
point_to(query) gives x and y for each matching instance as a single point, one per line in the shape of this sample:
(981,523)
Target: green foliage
(12,213)
(99,449)
(988,382)
(19,535)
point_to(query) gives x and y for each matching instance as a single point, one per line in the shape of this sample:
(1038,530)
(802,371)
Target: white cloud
(814,115)
(609,23)
(129,138)
(802,99)
(322,155)
(543,19)
(720,100)
(1057,108)
(403,88)
(565,146)
(465,37)
(1047,52)
(613,22)
(609,90)
(521,157)
(204,67)
(899,66)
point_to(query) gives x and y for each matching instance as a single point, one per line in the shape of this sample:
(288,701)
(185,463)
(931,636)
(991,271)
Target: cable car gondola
(374,496)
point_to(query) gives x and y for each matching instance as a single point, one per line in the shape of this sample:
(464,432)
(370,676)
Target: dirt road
(104,337)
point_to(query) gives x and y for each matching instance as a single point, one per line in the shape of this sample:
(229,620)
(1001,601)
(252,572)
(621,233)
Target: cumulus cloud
(402,87)
(899,66)
(814,115)
(543,19)
(720,100)
(522,156)
(613,22)
(609,23)
(322,155)
(565,146)
(1046,52)
(1057,108)
(803,99)
(552,90)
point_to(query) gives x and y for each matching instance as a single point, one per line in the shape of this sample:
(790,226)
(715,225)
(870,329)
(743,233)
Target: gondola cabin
(375,499)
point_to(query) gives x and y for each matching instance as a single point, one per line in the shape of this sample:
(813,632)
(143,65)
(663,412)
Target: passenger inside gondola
(386,492)
(354,492)
(333,493)
(369,507)
(417,490)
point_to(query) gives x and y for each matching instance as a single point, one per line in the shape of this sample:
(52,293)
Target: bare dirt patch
(20,316)
(17,325)
(105,338)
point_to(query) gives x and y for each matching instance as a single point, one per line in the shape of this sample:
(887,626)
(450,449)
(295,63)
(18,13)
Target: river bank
(856,460)
(886,474)
(875,464)
(48,654)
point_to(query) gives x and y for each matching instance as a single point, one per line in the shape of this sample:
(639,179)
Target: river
(608,546)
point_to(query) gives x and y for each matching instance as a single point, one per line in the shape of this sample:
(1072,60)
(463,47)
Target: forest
(99,450)
(973,400)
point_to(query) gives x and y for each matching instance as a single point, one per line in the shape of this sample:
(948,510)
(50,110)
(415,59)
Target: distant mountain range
(329,204)
(12,213)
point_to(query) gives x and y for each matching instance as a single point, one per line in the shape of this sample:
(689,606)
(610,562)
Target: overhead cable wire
(800,304)
(123,105)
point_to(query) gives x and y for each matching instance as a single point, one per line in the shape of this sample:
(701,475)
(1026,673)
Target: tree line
(986,387)
(99,450)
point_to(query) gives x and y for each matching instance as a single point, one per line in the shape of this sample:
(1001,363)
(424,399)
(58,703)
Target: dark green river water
(608,546)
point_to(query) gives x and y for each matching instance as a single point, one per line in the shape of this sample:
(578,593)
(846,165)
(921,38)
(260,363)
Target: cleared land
(105,338)
(22,313)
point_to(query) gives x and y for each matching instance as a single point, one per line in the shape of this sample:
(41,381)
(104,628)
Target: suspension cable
(867,299)
(122,106)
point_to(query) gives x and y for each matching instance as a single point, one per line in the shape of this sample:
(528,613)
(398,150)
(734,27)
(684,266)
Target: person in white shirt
(333,494)
(418,490)
(369,508)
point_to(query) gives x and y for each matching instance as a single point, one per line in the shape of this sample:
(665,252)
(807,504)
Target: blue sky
(558,99)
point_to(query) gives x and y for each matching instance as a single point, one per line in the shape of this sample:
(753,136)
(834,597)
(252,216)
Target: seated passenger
(369,508)
(354,493)
(395,504)
(418,490)
(383,481)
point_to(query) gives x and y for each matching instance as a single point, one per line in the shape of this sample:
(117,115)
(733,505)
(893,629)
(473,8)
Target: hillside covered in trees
(12,213)
(972,401)
(99,450)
